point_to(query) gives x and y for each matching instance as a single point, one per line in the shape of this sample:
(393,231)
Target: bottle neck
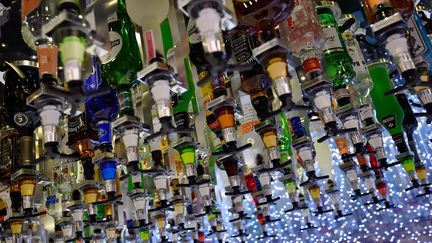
(383,12)
(121,8)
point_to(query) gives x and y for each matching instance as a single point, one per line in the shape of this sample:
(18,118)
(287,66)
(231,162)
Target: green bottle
(121,64)
(337,61)
(285,140)
(388,111)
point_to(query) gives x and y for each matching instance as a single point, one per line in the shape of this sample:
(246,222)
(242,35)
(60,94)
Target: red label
(311,64)
(248,127)
(150,46)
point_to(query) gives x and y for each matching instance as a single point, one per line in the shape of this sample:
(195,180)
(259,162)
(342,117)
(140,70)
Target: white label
(332,40)
(359,63)
(116,46)
(419,43)
(193,32)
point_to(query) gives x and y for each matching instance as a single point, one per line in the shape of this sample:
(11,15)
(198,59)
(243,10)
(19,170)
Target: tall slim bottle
(17,113)
(259,15)
(337,62)
(101,109)
(253,81)
(13,46)
(388,111)
(390,114)
(120,65)
(422,54)
(388,19)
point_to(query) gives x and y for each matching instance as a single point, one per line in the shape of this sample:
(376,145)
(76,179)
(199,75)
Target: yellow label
(206,93)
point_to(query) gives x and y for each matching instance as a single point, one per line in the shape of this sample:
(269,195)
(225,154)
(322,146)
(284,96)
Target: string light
(409,220)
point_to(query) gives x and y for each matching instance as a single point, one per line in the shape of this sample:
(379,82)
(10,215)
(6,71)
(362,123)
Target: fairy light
(408,221)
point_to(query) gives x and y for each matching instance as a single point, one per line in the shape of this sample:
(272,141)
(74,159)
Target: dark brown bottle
(261,15)
(12,46)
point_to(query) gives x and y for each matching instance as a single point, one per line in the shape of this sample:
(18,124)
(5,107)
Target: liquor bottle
(422,52)
(361,84)
(120,65)
(388,19)
(53,201)
(285,148)
(196,49)
(305,35)
(34,14)
(409,123)
(8,150)
(263,17)
(377,10)
(18,114)
(81,138)
(101,109)
(71,42)
(337,62)
(390,114)
(14,47)
(15,196)
(81,134)
(255,80)
(259,15)
(388,111)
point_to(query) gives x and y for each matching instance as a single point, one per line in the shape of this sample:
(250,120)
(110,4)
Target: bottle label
(21,119)
(47,59)
(389,121)
(116,46)
(104,132)
(6,150)
(242,46)
(359,64)
(332,41)
(419,44)
(125,100)
(193,32)
(181,120)
(76,125)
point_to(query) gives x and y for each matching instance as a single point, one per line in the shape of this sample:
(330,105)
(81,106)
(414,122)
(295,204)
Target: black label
(389,121)
(242,46)
(181,120)
(6,153)
(76,125)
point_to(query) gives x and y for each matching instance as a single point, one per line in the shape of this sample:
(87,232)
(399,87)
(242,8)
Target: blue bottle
(101,109)
(422,43)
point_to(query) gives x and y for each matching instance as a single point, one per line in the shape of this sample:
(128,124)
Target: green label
(125,100)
